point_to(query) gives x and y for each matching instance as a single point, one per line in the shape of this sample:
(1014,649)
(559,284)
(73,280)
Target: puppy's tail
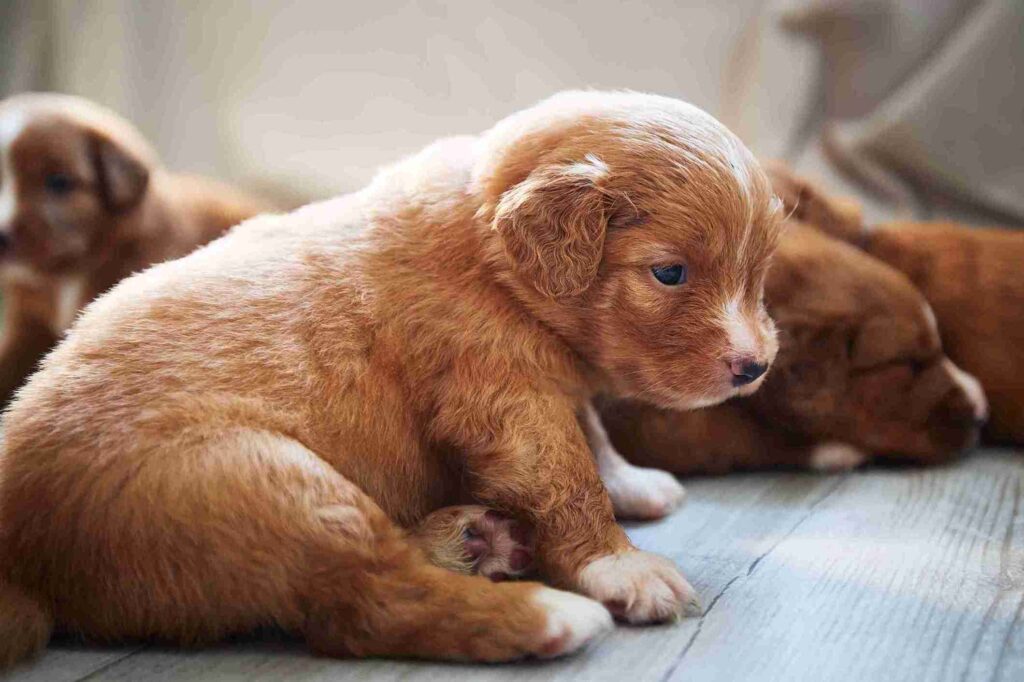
(25,625)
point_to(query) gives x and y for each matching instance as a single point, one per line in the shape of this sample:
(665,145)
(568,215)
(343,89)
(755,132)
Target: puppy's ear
(121,177)
(552,226)
(838,217)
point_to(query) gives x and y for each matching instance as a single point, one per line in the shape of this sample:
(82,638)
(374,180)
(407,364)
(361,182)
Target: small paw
(643,494)
(835,456)
(476,540)
(572,621)
(640,587)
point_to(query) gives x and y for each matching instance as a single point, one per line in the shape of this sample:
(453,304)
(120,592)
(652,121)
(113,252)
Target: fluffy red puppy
(83,204)
(971,277)
(860,373)
(231,439)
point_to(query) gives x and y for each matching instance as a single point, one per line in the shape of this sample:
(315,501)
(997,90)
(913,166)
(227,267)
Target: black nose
(746,371)
(4,242)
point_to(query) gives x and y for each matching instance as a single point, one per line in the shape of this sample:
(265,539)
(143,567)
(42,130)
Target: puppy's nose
(746,371)
(5,241)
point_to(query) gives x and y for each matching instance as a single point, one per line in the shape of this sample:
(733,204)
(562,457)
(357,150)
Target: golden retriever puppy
(235,438)
(84,203)
(971,277)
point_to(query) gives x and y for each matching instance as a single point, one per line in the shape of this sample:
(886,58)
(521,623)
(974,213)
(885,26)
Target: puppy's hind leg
(223,533)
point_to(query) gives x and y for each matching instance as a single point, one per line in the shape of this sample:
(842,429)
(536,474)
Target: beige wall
(316,94)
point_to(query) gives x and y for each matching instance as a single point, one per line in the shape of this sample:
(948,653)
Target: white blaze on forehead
(591,167)
(11,125)
(971,388)
(742,338)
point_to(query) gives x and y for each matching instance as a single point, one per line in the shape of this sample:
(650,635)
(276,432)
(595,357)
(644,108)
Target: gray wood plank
(67,662)
(908,575)
(890,574)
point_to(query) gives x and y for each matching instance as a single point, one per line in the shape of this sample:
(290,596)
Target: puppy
(859,373)
(970,276)
(83,204)
(228,440)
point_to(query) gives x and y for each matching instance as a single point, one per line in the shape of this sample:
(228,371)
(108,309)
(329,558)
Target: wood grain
(879,575)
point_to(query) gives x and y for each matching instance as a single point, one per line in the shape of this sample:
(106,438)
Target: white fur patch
(572,621)
(11,125)
(592,168)
(971,388)
(643,587)
(636,492)
(836,456)
(69,299)
(742,339)
(929,316)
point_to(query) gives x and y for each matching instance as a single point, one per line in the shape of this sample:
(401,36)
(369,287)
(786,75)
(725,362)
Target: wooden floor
(876,575)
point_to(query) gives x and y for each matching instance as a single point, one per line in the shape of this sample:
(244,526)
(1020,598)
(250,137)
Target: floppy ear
(122,178)
(552,226)
(836,216)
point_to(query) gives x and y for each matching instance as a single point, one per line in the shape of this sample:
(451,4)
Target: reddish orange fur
(970,276)
(124,214)
(227,440)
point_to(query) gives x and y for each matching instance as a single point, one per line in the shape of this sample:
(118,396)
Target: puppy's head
(639,229)
(69,171)
(861,359)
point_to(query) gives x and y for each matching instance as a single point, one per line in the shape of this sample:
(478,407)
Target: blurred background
(915,106)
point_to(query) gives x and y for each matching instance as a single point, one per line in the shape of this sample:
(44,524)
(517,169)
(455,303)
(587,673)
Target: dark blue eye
(58,183)
(670,275)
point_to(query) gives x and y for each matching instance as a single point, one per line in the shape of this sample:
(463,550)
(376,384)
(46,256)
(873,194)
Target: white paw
(639,493)
(836,457)
(640,587)
(573,621)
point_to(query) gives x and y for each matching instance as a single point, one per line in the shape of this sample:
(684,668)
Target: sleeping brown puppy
(232,439)
(972,278)
(83,204)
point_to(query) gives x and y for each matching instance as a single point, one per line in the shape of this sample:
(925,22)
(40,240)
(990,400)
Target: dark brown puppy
(83,204)
(970,276)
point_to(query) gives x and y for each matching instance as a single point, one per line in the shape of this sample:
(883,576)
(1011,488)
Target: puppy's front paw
(640,587)
(643,494)
(836,456)
(572,621)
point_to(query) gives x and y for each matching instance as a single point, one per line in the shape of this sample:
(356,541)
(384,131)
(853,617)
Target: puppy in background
(971,277)
(84,203)
(231,439)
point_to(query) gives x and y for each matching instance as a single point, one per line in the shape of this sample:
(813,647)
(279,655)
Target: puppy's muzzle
(746,371)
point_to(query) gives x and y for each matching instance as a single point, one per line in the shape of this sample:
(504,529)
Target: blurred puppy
(224,440)
(970,276)
(83,204)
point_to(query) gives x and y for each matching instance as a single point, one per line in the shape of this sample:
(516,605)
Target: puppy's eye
(59,183)
(670,275)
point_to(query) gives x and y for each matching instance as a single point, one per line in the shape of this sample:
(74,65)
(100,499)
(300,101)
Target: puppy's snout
(747,371)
